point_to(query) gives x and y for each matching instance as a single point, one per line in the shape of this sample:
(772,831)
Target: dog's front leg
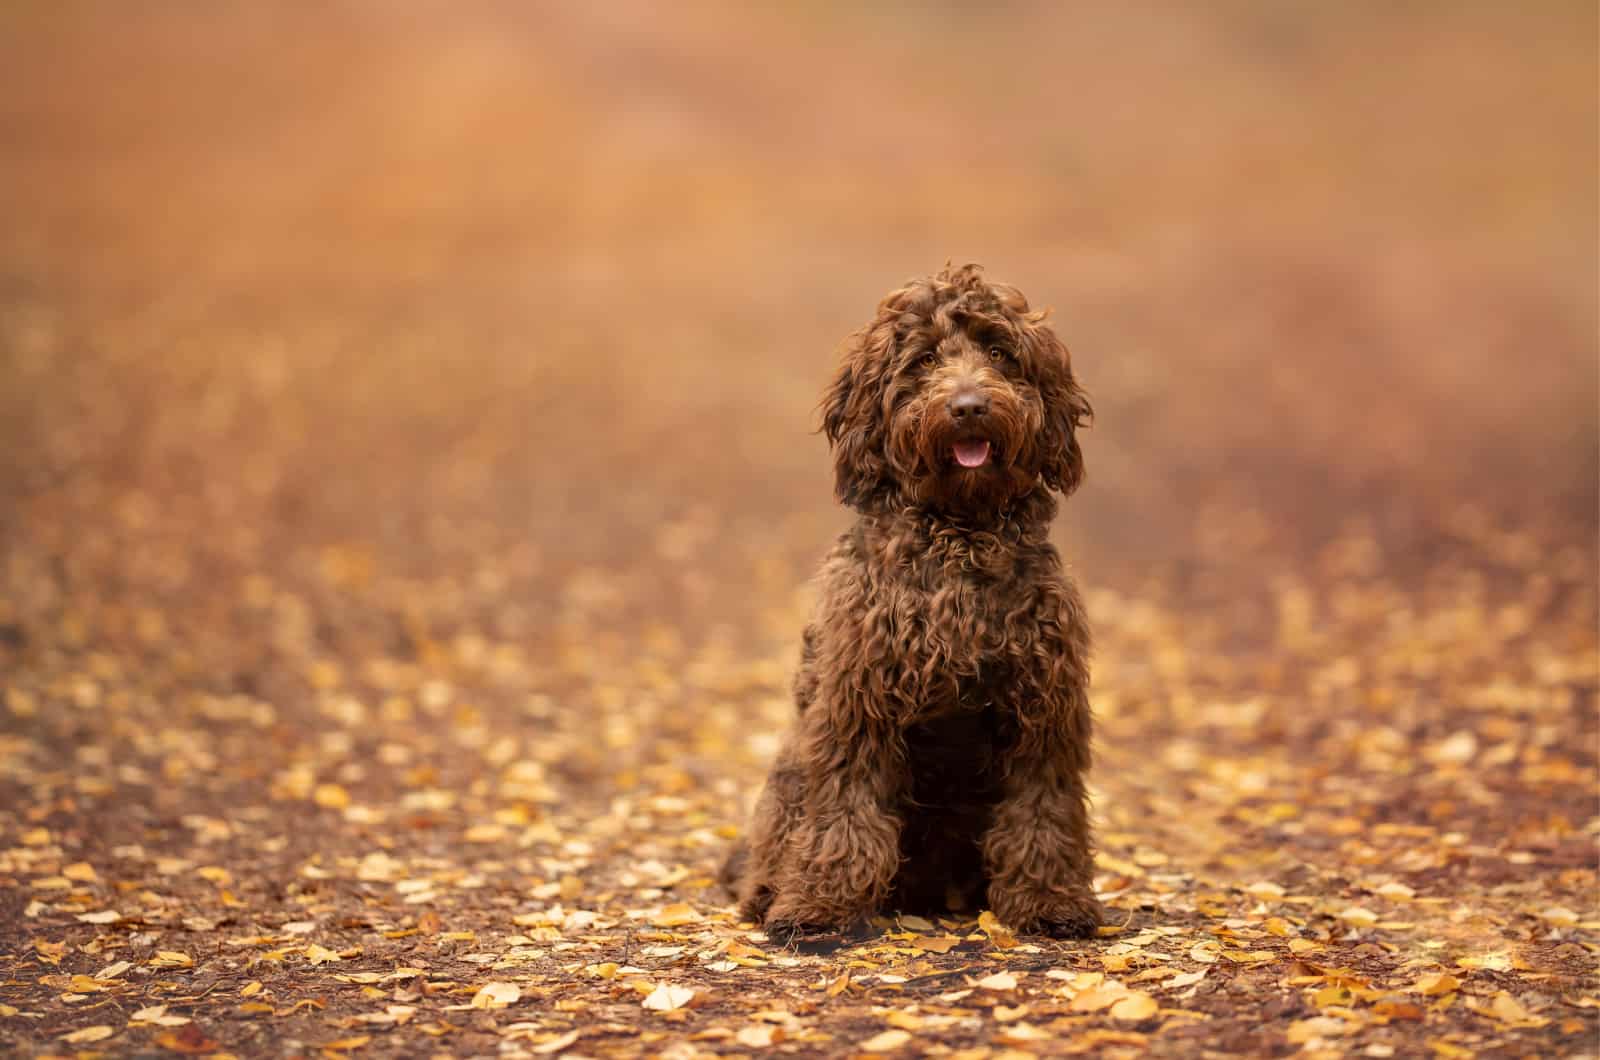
(1037,850)
(842,855)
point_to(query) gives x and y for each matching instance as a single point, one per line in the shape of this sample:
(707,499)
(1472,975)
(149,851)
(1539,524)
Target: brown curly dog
(938,757)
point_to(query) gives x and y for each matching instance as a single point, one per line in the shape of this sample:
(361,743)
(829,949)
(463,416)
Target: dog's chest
(964,626)
(941,627)
(957,756)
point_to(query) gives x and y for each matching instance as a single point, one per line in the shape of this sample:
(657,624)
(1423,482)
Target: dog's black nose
(968,403)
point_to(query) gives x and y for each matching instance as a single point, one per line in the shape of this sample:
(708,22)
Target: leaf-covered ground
(406,506)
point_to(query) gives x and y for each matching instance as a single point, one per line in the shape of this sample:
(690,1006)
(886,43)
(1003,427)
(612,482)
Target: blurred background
(552,267)
(388,363)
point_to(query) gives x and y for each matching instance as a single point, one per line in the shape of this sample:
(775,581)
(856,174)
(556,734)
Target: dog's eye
(929,360)
(999,353)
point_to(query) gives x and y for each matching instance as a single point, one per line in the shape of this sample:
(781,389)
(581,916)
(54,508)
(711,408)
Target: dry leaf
(1000,936)
(346,1044)
(331,796)
(81,871)
(1398,1010)
(998,981)
(1137,1006)
(1442,983)
(98,1033)
(886,1042)
(759,1036)
(189,1040)
(496,995)
(555,1045)
(171,959)
(676,915)
(666,998)
(1022,1034)
(1100,997)
(1507,1008)
(1489,962)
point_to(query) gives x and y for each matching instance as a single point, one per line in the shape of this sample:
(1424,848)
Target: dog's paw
(788,932)
(816,939)
(1057,916)
(1080,926)
(791,920)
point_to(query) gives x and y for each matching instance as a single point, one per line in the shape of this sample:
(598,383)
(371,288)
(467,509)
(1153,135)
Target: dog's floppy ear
(853,417)
(1066,408)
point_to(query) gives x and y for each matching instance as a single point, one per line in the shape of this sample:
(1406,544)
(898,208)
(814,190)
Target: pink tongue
(973,453)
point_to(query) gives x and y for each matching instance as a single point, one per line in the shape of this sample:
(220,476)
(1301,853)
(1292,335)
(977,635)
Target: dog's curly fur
(938,757)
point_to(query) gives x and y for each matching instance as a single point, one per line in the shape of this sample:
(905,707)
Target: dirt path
(406,504)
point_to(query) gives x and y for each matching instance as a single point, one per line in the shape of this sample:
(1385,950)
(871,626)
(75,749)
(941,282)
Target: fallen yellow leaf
(1489,962)
(676,915)
(497,995)
(81,871)
(886,1042)
(1022,1034)
(665,998)
(331,797)
(346,1044)
(760,1036)
(998,981)
(1000,936)
(171,959)
(555,1045)
(1303,1031)
(1442,983)
(1138,1006)
(1096,998)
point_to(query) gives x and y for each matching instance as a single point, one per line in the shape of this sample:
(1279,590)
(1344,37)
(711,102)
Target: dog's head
(956,398)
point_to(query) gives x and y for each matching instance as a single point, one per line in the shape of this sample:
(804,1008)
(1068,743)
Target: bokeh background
(578,275)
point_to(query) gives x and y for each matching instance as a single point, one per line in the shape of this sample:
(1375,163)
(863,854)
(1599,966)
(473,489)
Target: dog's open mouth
(971,452)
